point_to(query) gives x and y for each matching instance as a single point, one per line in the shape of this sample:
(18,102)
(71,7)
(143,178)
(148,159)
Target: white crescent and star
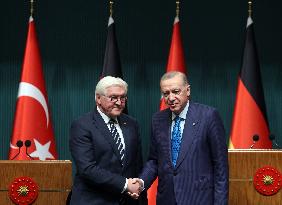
(42,151)
(29,90)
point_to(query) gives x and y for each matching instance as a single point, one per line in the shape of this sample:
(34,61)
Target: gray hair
(172,74)
(107,82)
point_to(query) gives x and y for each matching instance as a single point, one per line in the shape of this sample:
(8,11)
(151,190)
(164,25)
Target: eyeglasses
(114,98)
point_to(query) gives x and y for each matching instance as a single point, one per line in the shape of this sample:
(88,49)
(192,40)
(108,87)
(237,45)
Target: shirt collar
(104,116)
(183,113)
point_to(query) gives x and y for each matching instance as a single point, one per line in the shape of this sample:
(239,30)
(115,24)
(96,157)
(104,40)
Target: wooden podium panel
(242,167)
(53,177)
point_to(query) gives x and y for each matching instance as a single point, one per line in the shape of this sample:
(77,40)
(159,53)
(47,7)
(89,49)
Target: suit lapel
(189,133)
(164,127)
(100,124)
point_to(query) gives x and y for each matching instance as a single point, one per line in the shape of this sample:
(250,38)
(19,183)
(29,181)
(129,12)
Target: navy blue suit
(100,176)
(200,176)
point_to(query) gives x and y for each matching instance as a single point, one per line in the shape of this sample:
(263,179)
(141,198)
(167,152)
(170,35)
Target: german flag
(112,64)
(249,118)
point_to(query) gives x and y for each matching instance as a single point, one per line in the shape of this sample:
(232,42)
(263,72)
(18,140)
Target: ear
(98,99)
(188,90)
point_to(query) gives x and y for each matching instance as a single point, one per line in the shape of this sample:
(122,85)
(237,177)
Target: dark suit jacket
(100,176)
(201,173)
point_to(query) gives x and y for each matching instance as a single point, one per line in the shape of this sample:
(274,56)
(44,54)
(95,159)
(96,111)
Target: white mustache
(171,102)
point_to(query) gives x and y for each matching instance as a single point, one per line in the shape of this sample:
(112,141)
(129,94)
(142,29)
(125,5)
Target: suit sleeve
(82,151)
(139,159)
(139,165)
(150,171)
(219,154)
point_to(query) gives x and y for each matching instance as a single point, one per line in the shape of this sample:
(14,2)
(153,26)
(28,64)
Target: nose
(171,97)
(118,101)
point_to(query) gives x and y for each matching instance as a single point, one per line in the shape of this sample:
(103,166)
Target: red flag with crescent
(176,62)
(32,136)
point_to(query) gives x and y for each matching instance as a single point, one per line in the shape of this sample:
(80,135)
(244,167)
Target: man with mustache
(188,151)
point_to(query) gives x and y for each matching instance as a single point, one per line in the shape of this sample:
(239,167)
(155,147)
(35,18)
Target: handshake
(134,187)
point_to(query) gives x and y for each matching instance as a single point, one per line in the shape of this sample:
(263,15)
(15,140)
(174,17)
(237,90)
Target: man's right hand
(134,187)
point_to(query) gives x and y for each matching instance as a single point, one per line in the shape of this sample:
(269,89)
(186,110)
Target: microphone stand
(27,144)
(19,145)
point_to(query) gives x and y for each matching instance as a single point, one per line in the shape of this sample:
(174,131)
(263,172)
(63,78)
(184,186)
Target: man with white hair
(106,148)
(188,150)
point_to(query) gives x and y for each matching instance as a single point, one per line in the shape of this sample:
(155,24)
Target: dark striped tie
(117,139)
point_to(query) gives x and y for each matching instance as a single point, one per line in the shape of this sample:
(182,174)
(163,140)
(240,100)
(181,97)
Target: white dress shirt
(107,121)
(181,115)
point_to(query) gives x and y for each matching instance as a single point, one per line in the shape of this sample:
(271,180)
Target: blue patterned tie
(175,140)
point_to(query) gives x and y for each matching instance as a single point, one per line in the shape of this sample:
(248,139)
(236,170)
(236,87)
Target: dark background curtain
(72,37)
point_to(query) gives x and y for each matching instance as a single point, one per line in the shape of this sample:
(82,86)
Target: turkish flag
(33,136)
(249,118)
(176,59)
(176,62)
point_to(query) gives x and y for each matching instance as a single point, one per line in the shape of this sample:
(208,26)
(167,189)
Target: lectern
(53,177)
(242,167)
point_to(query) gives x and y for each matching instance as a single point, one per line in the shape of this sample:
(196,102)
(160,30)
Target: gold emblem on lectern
(267,180)
(23,191)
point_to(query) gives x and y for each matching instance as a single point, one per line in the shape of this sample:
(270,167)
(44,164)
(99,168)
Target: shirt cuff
(125,186)
(142,185)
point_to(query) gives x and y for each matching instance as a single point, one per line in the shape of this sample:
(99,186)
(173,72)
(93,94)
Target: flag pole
(111,8)
(177,8)
(31,8)
(250,8)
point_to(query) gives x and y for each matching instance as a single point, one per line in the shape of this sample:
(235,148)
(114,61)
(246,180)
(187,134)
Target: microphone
(19,145)
(27,144)
(272,138)
(255,139)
